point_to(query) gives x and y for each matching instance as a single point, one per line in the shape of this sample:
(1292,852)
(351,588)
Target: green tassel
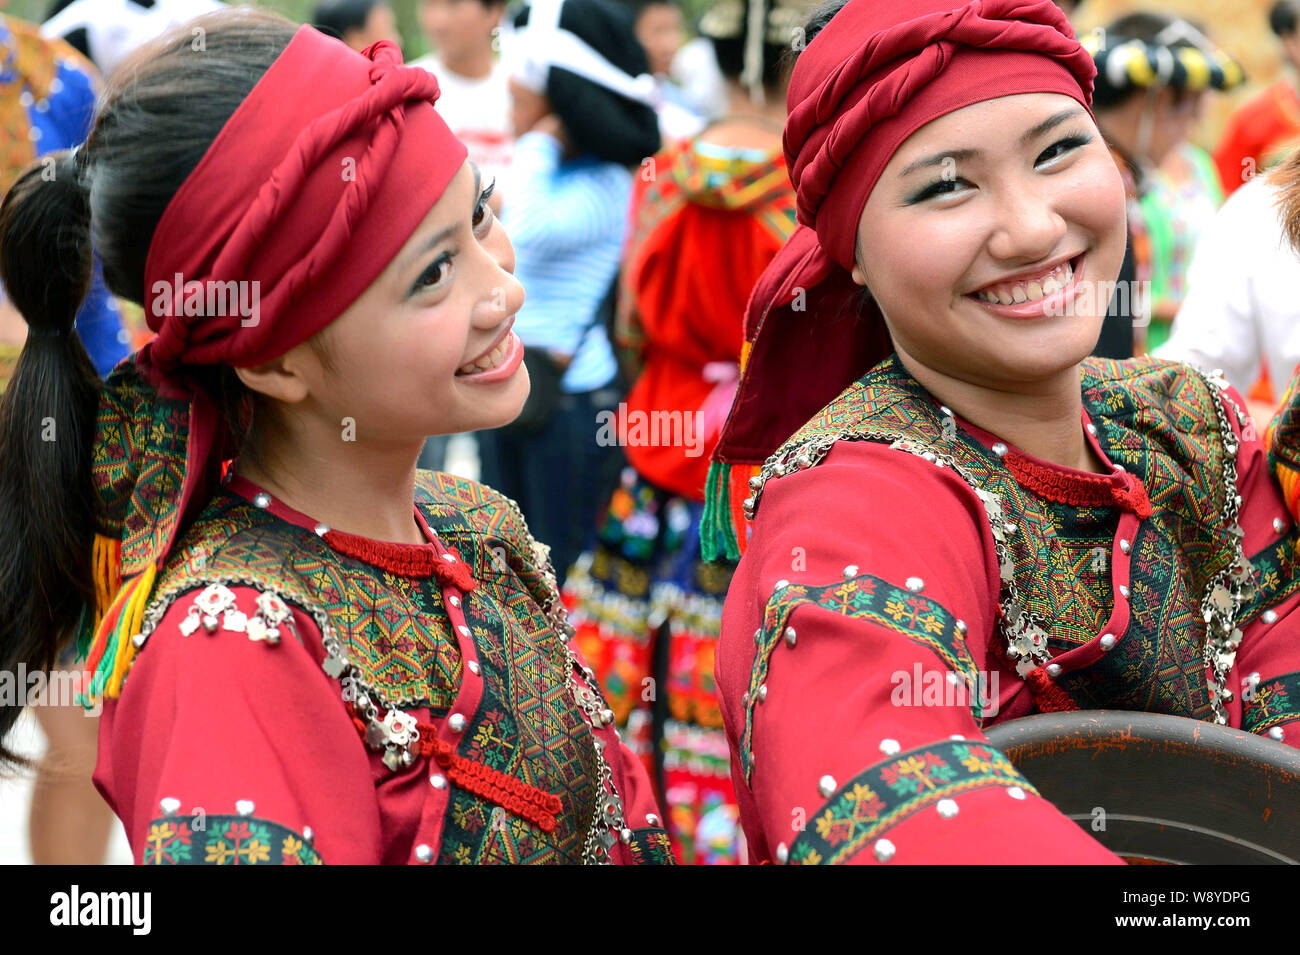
(717,535)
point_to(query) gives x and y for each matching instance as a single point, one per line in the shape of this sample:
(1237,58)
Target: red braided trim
(406,560)
(1080,490)
(1049,697)
(520,799)
(526,802)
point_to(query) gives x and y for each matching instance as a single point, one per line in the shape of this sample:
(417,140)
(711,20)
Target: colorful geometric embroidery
(225,840)
(1158,420)
(397,633)
(881,796)
(1271,703)
(867,598)
(651,847)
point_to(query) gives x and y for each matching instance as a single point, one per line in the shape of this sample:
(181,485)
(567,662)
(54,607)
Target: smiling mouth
(492,358)
(1024,291)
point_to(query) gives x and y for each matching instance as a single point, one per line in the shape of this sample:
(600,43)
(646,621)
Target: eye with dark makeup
(481,223)
(945,187)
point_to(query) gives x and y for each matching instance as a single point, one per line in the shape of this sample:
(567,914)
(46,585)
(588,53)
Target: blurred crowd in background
(644,189)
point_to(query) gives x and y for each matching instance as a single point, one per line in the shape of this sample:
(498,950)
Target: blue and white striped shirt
(567,221)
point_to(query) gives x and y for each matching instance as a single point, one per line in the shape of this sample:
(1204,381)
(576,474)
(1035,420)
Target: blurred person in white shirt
(1241,313)
(475,101)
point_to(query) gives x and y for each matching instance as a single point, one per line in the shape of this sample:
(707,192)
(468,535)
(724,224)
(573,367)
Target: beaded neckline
(432,559)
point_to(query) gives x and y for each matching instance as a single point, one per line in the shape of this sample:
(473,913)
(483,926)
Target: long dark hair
(161,111)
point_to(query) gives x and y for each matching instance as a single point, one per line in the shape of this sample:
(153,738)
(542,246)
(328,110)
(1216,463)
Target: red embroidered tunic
(233,744)
(870,592)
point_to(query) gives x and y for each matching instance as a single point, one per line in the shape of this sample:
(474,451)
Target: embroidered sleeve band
(883,795)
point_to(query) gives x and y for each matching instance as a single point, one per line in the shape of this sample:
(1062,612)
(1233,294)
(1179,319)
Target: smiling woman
(389,630)
(932,483)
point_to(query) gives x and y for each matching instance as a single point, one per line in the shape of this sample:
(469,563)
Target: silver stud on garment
(1125,546)
(423,854)
(957,737)
(999,449)
(651,819)
(790,636)
(884,850)
(1015,792)
(322,529)
(1092,429)
(457,723)
(449,558)
(961,627)
(473,667)
(438,781)
(1107,641)
(781,585)
(947,808)
(464,630)
(1053,670)
(625,835)
(262,499)
(244,807)
(1269,616)
(1277,734)
(1123,591)
(758,637)
(762,692)
(850,571)
(307,834)
(454,600)
(826,786)
(1279,525)
(169,805)
(889,747)
(782,853)
(915,584)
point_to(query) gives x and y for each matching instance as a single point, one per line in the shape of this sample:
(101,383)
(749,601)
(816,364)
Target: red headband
(874,75)
(332,150)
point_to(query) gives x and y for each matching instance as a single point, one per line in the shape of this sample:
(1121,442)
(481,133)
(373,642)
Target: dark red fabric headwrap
(874,75)
(306,195)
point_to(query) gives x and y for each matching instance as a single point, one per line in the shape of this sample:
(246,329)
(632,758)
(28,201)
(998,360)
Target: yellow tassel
(128,627)
(107,573)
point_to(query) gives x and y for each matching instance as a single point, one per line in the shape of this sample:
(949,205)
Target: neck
(366,489)
(1042,419)
(473,64)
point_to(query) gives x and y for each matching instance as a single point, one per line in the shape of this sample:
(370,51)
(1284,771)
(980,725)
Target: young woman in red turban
(950,515)
(305,649)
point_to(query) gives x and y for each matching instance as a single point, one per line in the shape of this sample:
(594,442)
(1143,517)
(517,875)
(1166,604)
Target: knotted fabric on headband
(874,75)
(332,152)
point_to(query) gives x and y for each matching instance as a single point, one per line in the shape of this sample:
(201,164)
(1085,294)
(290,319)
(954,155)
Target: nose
(1028,226)
(505,292)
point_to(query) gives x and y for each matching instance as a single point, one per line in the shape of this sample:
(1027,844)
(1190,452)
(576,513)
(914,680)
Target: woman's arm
(224,750)
(854,693)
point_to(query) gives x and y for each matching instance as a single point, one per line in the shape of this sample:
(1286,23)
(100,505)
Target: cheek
(918,260)
(1096,203)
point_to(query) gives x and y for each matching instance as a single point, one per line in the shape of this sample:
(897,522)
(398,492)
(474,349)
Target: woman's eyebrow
(446,233)
(957,155)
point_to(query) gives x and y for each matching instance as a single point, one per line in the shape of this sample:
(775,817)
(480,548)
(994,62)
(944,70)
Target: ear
(859,277)
(287,378)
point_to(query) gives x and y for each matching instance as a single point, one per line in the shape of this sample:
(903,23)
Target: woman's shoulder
(1151,394)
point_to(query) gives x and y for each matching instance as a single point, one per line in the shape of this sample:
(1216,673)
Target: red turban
(332,152)
(875,74)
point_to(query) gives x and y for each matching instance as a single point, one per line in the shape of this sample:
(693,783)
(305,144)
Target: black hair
(161,110)
(337,17)
(1282,18)
(599,121)
(816,22)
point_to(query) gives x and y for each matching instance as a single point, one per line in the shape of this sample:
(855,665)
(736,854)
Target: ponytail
(47,417)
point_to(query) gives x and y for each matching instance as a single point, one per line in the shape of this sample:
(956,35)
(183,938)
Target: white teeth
(488,361)
(1056,280)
